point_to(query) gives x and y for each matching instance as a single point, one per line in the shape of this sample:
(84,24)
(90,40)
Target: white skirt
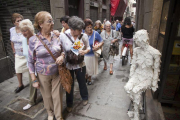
(91,63)
(20,64)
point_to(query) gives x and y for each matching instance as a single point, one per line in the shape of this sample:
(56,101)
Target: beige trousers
(52,93)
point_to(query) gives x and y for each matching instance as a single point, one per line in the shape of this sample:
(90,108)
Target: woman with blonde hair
(27,30)
(45,66)
(98,26)
(16,38)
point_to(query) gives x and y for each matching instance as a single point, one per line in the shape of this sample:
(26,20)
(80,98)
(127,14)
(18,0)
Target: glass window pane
(164,17)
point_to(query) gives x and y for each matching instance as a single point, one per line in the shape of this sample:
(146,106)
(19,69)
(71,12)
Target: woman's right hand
(36,85)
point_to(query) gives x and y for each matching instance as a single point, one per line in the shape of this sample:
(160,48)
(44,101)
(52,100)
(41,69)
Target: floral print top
(39,58)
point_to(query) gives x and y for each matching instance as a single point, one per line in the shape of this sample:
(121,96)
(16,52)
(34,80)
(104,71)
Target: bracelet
(34,81)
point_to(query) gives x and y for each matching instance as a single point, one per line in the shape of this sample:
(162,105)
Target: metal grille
(27,8)
(93,14)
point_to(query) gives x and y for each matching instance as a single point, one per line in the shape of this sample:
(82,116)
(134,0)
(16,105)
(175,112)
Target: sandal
(111,72)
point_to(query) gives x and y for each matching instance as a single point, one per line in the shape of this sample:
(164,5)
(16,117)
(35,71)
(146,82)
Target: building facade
(93,9)
(161,18)
(130,10)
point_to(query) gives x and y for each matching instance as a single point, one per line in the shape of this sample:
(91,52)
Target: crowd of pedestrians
(31,53)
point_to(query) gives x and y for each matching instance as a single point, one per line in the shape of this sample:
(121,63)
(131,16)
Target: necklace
(108,35)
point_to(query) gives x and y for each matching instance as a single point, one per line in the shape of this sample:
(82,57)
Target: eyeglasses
(50,21)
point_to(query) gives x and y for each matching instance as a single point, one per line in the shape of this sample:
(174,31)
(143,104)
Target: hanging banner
(114,6)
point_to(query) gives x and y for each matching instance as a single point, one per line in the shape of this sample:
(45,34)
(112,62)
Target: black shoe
(89,83)
(18,89)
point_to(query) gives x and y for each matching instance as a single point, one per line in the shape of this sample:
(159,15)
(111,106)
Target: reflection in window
(164,17)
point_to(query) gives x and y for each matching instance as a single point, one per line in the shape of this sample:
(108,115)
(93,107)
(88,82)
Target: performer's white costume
(144,71)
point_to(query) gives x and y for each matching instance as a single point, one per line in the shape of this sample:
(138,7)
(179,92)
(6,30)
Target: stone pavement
(107,99)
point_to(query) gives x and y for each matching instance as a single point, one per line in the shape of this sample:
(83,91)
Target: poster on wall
(176,48)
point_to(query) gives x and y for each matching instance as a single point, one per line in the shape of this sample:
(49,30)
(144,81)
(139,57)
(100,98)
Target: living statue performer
(144,71)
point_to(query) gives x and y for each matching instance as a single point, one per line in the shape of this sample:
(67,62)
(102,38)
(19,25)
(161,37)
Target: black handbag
(73,58)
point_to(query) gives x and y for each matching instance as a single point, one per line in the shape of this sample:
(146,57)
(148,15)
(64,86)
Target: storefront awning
(118,7)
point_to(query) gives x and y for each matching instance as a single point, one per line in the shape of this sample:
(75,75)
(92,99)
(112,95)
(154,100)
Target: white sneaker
(50,117)
(27,107)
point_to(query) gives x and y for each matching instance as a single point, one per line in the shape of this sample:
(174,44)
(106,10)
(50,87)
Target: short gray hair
(107,22)
(76,23)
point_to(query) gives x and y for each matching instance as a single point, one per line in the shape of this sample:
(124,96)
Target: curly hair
(26,23)
(98,22)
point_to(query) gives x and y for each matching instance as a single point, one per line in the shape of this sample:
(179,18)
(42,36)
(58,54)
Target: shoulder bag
(97,53)
(114,48)
(64,73)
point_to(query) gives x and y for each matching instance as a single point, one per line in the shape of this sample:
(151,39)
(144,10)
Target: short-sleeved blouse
(91,40)
(17,38)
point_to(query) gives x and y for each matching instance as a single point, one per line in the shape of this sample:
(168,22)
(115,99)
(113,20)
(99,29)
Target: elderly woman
(27,30)
(16,38)
(109,37)
(68,38)
(45,66)
(91,60)
(98,26)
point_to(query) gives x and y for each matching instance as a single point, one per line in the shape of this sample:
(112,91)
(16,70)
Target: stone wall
(5,64)
(148,17)
(57,11)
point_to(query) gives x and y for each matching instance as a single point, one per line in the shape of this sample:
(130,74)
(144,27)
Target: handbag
(114,48)
(97,53)
(64,73)
(73,58)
